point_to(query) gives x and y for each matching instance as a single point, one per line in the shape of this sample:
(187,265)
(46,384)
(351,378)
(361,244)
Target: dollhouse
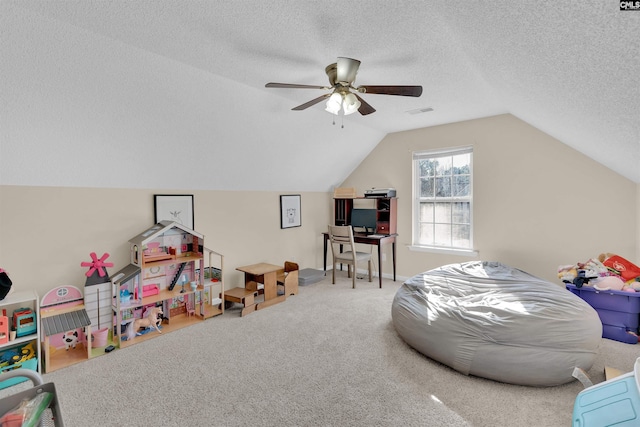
(66,328)
(167,270)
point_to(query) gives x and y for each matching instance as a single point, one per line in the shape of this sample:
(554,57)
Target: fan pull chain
(341,119)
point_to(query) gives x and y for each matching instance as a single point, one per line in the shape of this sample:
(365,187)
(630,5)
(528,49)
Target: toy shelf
(19,340)
(20,299)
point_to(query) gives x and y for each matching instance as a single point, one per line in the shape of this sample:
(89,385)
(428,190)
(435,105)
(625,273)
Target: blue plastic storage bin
(611,403)
(619,311)
(31,364)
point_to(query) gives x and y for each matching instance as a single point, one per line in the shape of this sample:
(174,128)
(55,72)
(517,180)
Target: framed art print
(290,215)
(174,207)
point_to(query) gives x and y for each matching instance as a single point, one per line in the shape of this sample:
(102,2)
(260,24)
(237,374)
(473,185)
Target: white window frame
(432,154)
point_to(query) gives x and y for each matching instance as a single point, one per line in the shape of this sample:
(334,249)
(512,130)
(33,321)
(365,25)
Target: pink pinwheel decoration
(97,264)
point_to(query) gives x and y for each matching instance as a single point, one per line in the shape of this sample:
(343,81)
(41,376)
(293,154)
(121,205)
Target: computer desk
(370,239)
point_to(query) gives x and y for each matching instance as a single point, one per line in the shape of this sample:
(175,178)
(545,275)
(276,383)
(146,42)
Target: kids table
(265,274)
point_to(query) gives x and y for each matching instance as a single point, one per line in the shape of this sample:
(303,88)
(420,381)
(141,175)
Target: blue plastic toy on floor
(615,402)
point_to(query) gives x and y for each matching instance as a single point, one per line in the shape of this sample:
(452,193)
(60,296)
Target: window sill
(445,251)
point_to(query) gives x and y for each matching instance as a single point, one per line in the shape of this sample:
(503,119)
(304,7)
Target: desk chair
(287,279)
(341,236)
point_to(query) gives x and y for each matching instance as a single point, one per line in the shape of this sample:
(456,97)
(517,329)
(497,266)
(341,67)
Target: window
(442,199)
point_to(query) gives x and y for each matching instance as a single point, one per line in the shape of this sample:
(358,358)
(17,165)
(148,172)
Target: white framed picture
(174,207)
(290,215)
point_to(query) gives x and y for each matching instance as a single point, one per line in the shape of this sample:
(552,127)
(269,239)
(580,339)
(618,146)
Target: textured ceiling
(571,69)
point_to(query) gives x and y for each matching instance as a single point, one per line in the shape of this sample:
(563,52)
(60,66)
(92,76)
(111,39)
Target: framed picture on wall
(174,207)
(290,215)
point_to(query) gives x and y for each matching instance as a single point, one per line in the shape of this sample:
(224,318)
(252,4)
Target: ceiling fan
(344,95)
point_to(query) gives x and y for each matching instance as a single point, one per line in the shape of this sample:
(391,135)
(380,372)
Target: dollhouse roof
(65,322)
(125,274)
(161,228)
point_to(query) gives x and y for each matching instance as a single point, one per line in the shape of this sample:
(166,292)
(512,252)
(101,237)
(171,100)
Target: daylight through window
(442,201)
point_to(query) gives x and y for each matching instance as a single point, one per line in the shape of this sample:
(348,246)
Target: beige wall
(537,203)
(45,232)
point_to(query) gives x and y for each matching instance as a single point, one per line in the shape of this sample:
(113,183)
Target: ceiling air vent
(420,110)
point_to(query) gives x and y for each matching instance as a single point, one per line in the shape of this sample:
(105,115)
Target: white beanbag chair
(494,321)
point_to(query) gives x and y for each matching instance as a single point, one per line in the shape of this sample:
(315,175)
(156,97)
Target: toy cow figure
(70,339)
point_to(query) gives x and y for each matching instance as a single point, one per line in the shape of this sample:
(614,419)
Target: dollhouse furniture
(261,276)
(21,299)
(288,278)
(162,259)
(62,311)
(242,296)
(191,309)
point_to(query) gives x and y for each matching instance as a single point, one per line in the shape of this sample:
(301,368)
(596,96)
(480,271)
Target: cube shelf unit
(16,300)
(161,257)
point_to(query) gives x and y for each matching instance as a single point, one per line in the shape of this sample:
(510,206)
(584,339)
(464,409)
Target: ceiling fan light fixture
(350,104)
(334,103)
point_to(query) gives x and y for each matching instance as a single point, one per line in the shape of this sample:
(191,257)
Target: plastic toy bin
(611,403)
(31,364)
(619,311)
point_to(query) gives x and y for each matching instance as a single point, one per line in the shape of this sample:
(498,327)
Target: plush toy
(593,268)
(626,269)
(610,283)
(567,273)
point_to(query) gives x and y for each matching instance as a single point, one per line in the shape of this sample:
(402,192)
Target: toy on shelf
(4,329)
(24,322)
(18,357)
(150,320)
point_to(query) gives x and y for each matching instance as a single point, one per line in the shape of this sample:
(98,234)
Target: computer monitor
(363,220)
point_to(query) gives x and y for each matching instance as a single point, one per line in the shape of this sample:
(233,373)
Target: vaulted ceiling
(114,93)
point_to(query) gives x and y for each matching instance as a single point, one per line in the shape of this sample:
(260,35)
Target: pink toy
(609,283)
(148,290)
(97,264)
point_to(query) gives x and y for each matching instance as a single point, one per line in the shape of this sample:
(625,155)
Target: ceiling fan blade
(294,86)
(347,69)
(312,102)
(392,90)
(364,107)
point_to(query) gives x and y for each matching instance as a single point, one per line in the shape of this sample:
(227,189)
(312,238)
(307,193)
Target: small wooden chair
(287,278)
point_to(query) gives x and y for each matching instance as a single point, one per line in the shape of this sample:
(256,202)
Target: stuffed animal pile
(607,272)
